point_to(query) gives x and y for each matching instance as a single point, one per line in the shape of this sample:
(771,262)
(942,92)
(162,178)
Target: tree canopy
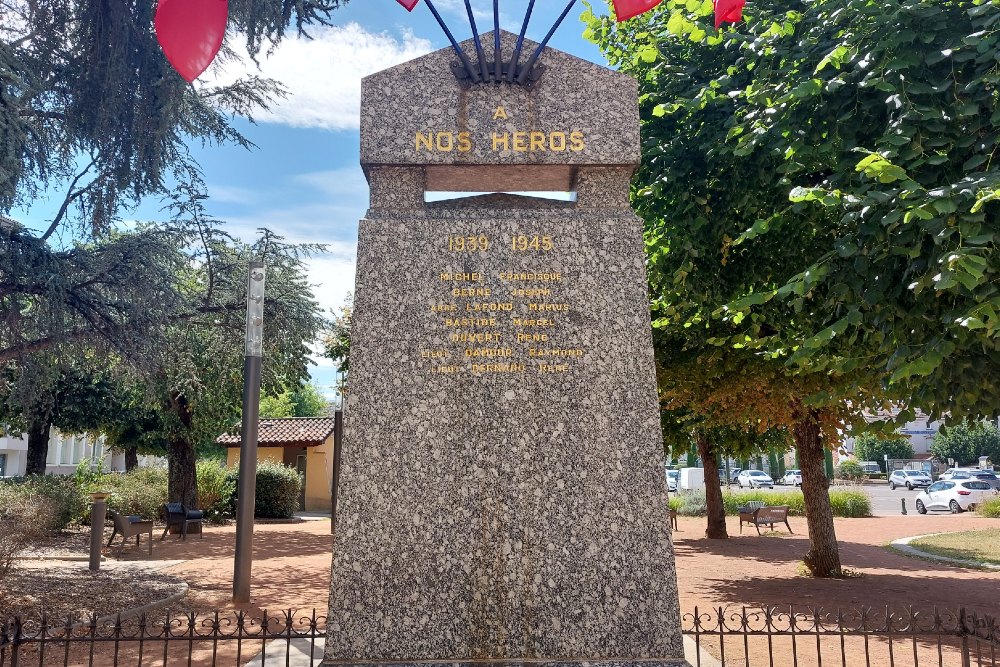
(854,139)
(965,443)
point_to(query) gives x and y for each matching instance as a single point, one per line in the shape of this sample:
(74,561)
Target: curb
(137,611)
(903,547)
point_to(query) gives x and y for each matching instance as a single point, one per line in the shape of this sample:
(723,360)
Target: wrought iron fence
(726,636)
(868,636)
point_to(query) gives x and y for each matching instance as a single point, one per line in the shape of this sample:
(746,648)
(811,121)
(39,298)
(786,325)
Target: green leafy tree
(712,283)
(966,442)
(888,187)
(303,401)
(337,338)
(871,447)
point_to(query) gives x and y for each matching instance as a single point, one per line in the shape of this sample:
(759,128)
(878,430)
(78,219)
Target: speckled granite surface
(502,492)
(573,96)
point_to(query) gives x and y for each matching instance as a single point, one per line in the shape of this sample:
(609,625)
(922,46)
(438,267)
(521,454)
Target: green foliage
(278,490)
(337,338)
(811,158)
(845,503)
(303,401)
(965,443)
(990,508)
(674,502)
(870,447)
(57,500)
(733,500)
(215,490)
(850,471)
(140,492)
(691,503)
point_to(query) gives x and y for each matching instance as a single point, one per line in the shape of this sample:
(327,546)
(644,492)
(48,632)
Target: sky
(304,180)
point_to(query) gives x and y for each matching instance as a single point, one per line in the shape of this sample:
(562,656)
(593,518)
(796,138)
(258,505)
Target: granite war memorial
(501,495)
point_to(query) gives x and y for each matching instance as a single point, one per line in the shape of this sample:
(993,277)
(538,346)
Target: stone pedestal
(502,495)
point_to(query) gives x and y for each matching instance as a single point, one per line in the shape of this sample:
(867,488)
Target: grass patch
(978,545)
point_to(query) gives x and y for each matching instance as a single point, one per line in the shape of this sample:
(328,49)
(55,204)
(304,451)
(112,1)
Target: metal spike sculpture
(512,71)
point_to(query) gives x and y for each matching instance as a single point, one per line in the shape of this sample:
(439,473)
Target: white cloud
(323,75)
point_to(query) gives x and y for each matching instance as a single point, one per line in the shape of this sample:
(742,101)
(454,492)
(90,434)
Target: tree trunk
(182,482)
(713,490)
(823,558)
(182,476)
(131,458)
(38,447)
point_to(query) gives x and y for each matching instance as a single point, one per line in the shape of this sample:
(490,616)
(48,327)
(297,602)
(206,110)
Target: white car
(956,495)
(754,479)
(909,479)
(960,473)
(793,477)
(672,477)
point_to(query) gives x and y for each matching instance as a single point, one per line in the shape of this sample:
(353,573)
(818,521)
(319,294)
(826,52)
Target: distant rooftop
(9,223)
(287,432)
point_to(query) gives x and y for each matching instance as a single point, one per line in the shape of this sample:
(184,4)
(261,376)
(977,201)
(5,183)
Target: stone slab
(579,113)
(510,506)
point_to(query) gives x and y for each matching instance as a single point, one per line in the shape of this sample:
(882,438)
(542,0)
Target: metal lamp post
(247,490)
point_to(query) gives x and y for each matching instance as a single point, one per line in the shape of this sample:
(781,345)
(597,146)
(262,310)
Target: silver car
(909,478)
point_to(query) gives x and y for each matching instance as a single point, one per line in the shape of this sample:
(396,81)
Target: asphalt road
(884,501)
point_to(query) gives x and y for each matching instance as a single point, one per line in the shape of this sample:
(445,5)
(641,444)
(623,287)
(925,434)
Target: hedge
(845,503)
(56,498)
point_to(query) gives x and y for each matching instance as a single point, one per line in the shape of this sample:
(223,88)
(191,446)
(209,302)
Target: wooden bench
(770,515)
(128,526)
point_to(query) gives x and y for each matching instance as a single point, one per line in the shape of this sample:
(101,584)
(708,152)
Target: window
(3,465)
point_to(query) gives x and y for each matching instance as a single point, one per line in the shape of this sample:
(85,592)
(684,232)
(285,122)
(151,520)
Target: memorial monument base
(518,663)
(502,497)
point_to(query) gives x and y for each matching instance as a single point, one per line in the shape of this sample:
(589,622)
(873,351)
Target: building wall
(65,453)
(274,454)
(319,476)
(319,471)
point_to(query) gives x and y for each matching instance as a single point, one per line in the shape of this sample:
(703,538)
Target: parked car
(909,479)
(954,495)
(958,473)
(793,477)
(870,467)
(754,479)
(672,477)
(988,477)
(733,474)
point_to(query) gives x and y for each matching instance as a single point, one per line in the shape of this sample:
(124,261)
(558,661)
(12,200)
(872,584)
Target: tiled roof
(289,432)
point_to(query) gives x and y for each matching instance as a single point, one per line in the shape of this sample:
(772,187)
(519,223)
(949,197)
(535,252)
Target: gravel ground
(64,589)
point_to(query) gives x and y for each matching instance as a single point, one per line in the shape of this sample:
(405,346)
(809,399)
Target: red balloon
(190,33)
(728,11)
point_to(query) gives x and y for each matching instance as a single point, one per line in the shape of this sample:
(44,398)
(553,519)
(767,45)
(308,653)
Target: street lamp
(247,490)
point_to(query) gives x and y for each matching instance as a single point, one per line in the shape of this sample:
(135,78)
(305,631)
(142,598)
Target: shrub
(850,471)
(691,503)
(674,502)
(735,499)
(850,504)
(53,501)
(845,503)
(215,490)
(990,509)
(278,489)
(140,492)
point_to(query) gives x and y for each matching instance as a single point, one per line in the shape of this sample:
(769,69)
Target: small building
(304,443)
(66,452)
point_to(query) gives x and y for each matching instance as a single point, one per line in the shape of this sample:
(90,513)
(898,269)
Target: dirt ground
(292,571)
